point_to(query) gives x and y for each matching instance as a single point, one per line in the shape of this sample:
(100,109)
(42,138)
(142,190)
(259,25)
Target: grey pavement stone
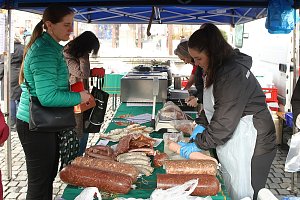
(269,180)
(274,191)
(24,189)
(12,184)
(276,180)
(283,191)
(22,196)
(22,184)
(273,185)
(284,185)
(276,170)
(21,178)
(286,180)
(12,195)
(280,175)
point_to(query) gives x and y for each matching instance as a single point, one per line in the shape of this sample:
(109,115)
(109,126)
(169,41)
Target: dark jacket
(199,84)
(296,101)
(15,65)
(237,93)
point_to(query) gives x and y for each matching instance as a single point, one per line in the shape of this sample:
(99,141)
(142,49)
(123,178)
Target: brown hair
(210,40)
(54,14)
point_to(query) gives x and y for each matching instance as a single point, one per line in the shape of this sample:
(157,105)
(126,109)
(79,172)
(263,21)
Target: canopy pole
(7,91)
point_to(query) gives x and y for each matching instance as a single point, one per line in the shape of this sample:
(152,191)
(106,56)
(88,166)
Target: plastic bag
(239,149)
(185,126)
(89,193)
(170,111)
(292,163)
(178,192)
(282,17)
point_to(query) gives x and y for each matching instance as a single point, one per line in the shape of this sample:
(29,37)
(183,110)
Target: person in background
(295,101)
(4,132)
(76,53)
(240,126)
(45,72)
(15,90)
(183,54)
(196,76)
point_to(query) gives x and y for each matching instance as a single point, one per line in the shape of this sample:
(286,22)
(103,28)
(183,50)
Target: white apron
(236,154)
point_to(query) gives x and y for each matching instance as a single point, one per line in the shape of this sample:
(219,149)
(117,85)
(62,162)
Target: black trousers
(42,155)
(260,168)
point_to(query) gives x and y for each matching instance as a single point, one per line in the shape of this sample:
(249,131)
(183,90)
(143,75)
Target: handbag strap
(27,86)
(100,83)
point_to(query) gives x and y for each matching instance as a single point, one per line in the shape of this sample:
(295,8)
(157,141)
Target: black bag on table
(49,119)
(94,117)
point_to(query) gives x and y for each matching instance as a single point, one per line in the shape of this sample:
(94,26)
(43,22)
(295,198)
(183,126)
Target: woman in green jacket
(46,73)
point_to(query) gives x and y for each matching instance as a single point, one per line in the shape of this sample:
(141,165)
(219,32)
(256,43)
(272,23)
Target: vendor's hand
(198,129)
(188,99)
(193,102)
(187,149)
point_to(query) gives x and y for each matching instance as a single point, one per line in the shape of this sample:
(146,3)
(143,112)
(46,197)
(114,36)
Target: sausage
(93,151)
(107,165)
(159,159)
(106,181)
(98,156)
(148,151)
(173,146)
(137,162)
(208,167)
(136,157)
(123,155)
(208,185)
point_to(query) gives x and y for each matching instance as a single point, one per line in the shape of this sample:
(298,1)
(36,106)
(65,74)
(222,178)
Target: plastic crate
(289,119)
(271,94)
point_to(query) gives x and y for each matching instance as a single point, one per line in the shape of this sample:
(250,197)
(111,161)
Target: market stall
(145,184)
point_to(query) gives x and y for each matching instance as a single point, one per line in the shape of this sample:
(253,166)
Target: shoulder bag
(49,119)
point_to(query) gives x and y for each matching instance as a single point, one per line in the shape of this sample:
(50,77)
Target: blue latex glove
(197,129)
(187,149)
(182,143)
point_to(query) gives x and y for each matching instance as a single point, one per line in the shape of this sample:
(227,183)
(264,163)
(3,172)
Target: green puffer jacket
(47,74)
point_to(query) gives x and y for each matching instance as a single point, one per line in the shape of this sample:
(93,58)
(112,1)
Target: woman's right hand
(85,96)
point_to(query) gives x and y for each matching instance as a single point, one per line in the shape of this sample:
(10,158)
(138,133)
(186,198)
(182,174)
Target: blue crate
(289,119)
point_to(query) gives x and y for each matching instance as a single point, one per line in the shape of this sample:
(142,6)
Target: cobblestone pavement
(278,181)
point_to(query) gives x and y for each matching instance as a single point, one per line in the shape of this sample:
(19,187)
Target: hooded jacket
(237,93)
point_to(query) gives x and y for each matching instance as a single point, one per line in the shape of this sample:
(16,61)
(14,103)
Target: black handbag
(94,117)
(49,119)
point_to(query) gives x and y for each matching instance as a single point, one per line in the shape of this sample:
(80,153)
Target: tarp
(164,11)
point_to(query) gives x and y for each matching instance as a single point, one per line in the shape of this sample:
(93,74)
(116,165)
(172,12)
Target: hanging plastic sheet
(282,17)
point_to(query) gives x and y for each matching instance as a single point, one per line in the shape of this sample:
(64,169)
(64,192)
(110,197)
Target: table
(145,185)
(112,85)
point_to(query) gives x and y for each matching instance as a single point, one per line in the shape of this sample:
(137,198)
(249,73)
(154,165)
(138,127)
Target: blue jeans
(14,104)
(82,143)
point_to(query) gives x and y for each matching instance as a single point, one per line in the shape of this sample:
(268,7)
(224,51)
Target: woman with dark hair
(76,53)
(240,125)
(45,73)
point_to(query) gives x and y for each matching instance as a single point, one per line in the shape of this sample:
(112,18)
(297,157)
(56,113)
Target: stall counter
(145,185)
